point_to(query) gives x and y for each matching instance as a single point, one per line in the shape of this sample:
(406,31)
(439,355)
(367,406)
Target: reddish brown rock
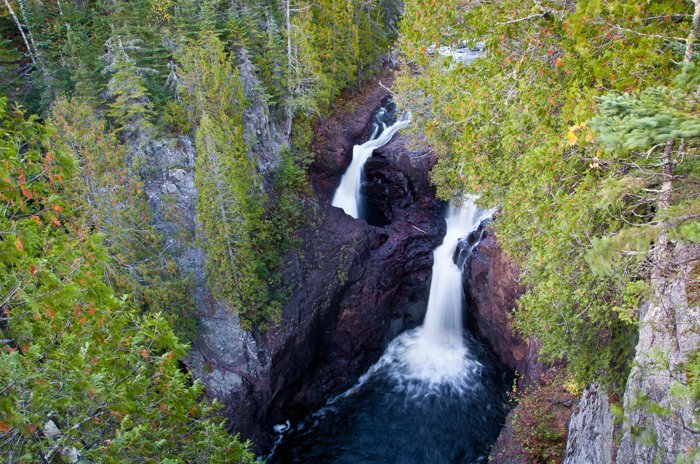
(352,286)
(492,286)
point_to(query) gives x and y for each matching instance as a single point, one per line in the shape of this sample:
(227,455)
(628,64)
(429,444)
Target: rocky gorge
(353,286)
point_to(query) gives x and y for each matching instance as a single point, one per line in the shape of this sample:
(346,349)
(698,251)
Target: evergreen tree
(82,375)
(230,200)
(130,106)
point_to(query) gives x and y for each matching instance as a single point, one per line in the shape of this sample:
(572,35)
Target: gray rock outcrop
(660,412)
(591,429)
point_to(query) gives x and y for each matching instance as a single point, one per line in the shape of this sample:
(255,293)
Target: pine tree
(230,201)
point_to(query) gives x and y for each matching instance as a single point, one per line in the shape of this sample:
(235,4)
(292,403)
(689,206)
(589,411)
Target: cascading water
(437,394)
(348,196)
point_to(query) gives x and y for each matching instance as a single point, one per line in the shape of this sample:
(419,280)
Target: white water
(347,196)
(433,357)
(443,320)
(431,361)
(436,353)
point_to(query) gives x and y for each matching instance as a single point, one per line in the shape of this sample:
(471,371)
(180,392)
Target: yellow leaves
(571,136)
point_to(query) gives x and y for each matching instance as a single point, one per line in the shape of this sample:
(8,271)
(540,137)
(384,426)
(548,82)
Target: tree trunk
(693,33)
(21,31)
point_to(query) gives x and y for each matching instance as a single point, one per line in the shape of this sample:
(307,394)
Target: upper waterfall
(347,196)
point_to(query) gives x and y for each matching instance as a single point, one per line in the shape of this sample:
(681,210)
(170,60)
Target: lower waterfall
(437,395)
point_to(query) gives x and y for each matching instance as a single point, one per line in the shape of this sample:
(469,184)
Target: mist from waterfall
(348,196)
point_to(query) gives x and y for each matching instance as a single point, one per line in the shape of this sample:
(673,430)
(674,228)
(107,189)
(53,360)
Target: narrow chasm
(396,376)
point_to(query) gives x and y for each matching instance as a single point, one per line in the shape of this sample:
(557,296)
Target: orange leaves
(144,353)
(18,244)
(4,428)
(163,407)
(23,181)
(25,192)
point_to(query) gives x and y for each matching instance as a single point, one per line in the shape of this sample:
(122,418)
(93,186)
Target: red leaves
(4,428)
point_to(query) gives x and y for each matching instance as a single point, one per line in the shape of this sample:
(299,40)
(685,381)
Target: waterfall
(435,396)
(347,196)
(435,353)
(443,320)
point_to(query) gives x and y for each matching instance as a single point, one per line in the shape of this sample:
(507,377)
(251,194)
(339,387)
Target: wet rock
(492,287)
(334,137)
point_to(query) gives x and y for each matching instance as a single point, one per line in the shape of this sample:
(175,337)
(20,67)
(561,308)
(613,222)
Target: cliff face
(352,286)
(591,429)
(492,286)
(658,404)
(660,409)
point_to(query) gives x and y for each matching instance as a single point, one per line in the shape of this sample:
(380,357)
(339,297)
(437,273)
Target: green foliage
(654,116)
(130,105)
(110,196)
(514,127)
(230,203)
(175,118)
(81,372)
